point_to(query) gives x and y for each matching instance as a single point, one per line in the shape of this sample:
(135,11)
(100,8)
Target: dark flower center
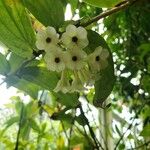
(74,58)
(74,39)
(48,39)
(97,58)
(57,59)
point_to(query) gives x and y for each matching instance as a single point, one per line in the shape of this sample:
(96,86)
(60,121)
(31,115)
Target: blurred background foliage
(46,120)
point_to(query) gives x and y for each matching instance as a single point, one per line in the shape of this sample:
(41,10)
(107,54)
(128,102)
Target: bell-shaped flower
(75,37)
(76,85)
(98,59)
(46,38)
(63,84)
(84,75)
(75,59)
(55,59)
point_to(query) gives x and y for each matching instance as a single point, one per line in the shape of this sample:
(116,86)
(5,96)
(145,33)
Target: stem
(85,134)
(130,126)
(71,129)
(145,144)
(2,82)
(97,144)
(94,121)
(20,124)
(64,130)
(106,13)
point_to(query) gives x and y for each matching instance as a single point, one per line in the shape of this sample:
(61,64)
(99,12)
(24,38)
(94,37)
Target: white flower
(75,59)
(76,85)
(55,59)
(84,75)
(98,59)
(46,38)
(63,84)
(75,37)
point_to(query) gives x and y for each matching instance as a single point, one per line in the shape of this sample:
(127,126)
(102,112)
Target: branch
(145,144)
(97,144)
(20,124)
(107,13)
(130,125)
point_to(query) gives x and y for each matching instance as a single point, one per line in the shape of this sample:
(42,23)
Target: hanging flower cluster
(65,55)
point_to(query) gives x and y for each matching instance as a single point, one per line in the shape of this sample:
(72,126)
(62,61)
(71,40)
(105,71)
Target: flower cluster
(65,54)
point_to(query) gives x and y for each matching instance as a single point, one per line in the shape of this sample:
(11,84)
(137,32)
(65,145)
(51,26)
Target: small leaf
(11,121)
(15,28)
(146,131)
(103,3)
(48,12)
(4,65)
(81,120)
(34,125)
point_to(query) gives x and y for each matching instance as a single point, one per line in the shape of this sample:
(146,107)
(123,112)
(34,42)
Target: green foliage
(16,26)
(104,85)
(70,100)
(48,12)
(40,76)
(48,120)
(101,3)
(4,65)
(146,131)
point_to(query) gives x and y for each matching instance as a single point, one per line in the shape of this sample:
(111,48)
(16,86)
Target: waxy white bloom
(76,85)
(84,75)
(46,38)
(63,84)
(75,59)
(55,59)
(98,59)
(75,37)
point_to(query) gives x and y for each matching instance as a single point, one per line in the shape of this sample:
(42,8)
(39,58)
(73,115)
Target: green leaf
(146,131)
(103,3)
(81,120)
(40,76)
(15,28)
(69,99)
(15,62)
(4,65)
(104,85)
(11,121)
(23,85)
(34,125)
(48,12)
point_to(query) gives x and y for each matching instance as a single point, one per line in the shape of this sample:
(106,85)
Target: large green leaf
(104,85)
(69,99)
(15,62)
(103,3)
(48,12)
(15,28)
(24,85)
(4,65)
(40,76)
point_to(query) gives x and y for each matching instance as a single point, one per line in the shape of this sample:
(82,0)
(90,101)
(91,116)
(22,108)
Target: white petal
(71,30)
(81,32)
(66,39)
(104,54)
(83,43)
(50,30)
(40,45)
